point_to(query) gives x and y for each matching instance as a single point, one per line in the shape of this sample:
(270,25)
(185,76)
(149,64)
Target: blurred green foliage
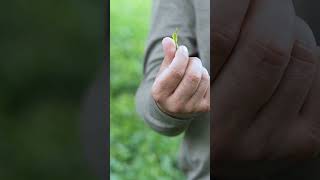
(50,52)
(137,152)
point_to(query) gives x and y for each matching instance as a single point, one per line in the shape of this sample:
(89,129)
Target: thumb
(169,49)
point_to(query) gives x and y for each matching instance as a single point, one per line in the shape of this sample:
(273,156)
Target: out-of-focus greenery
(49,53)
(137,152)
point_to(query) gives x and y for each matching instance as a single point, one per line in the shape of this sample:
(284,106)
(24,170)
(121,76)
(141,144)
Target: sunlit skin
(182,86)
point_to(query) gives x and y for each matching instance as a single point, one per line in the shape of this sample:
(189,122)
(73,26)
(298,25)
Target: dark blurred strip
(51,53)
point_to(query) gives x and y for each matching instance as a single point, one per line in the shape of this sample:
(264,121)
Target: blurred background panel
(51,52)
(137,152)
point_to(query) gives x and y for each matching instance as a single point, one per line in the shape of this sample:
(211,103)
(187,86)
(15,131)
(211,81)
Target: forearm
(167,16)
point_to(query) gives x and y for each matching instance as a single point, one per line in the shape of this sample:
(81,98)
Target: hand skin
(266,84)
(182,86)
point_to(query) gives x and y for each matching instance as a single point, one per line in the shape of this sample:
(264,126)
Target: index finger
(227,19)
(252,74)
(169,79)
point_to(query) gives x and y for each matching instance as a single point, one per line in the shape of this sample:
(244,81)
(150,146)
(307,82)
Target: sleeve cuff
(164,123)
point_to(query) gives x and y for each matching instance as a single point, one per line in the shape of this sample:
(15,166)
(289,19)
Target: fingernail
(184,50)
(165,41)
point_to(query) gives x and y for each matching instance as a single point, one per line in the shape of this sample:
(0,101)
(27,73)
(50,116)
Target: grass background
(137,152)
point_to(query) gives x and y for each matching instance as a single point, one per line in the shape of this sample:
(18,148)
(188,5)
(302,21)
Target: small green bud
(175,37)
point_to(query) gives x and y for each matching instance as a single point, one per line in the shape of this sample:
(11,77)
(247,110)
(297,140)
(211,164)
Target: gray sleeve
(167,15)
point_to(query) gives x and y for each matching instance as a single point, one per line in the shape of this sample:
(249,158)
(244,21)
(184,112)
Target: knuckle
(268,53)
(224,39)
(193,77)
(176,74)
(176,108)
(205,107)
(189,109)
(156,97)
(155,94)
(158,84)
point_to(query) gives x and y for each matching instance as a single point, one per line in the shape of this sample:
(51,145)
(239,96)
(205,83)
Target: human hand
(264,76)
(182,85)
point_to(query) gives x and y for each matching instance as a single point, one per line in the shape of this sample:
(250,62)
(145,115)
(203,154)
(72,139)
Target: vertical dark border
(107,61)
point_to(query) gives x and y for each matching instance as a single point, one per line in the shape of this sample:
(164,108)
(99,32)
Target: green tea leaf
(175,37)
